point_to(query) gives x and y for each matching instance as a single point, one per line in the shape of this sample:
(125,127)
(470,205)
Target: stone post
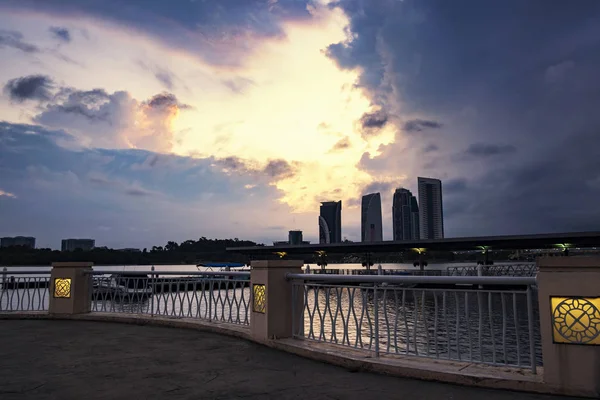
(569,304)
(271,305)
(70,288)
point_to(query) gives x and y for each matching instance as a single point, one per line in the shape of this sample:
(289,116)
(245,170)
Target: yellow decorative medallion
(62,288)
(576,320)
(259,303)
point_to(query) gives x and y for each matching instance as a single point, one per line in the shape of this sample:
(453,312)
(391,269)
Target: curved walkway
(96,360)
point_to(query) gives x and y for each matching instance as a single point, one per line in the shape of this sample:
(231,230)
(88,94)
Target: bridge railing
(24,290)
(493,270)
(222,296)
(490,320)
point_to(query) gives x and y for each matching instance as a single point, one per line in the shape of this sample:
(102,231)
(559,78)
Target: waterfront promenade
(45,359)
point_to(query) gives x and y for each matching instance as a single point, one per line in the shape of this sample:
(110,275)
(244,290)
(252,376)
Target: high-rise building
(25,241)
(431,212)
(295,237)
(75,244)
(371,225)
(330,222)
(414,215)
(405,215)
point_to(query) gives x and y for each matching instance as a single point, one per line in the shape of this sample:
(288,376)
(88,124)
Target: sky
(139,122)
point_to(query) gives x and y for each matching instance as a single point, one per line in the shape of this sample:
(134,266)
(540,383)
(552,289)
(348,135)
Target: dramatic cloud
(33,87)
(103,119)
(15,40)
(504,118)
(418,125)
(488,149)
(59,33)
(221,32)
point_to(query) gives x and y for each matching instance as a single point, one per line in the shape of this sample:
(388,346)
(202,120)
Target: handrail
(179,273)
(460,280)
(24,272)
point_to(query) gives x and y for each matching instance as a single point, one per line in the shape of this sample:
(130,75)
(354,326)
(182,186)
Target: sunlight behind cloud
(285,100)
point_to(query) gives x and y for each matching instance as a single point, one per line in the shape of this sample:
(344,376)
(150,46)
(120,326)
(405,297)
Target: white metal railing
(24,290)
(490,320)
(222,296)
(493,270)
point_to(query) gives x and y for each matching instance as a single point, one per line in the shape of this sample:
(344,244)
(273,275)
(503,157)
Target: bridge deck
(517,242)
(94,360)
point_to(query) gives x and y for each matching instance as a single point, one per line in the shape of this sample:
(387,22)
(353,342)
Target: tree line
(187,252)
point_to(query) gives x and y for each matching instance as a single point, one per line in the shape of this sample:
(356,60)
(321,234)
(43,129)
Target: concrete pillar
(70,288)
(272,299)
(569,303)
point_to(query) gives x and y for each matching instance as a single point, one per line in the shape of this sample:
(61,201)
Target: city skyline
(157,121)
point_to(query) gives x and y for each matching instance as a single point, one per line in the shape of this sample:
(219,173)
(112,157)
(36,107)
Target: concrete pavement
(42,359)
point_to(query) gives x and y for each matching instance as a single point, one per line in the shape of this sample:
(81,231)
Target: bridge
(563,241)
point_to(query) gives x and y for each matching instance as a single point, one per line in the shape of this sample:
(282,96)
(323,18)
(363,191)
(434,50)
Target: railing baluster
(376,317)
(516,321)
(532,358)
(504,317)
(468,325)
(492,331)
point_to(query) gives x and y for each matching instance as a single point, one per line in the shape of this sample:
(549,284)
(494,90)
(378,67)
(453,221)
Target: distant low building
(77,244)
(295,237)
(25,241)
(130,250)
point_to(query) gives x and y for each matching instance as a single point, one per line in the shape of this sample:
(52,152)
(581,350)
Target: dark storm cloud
(488,149)
(60,33)
(15,40)
(418,125)
(32,87)
(455,185)
(374,120)
(484,71)
(198,26)
(551,194)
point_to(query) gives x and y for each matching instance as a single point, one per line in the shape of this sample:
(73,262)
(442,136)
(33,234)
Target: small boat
(211,265)
(122,287)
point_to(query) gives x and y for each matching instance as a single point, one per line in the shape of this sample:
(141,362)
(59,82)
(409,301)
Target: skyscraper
(371,226)
(405,215)
(330,222)
(431,213)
